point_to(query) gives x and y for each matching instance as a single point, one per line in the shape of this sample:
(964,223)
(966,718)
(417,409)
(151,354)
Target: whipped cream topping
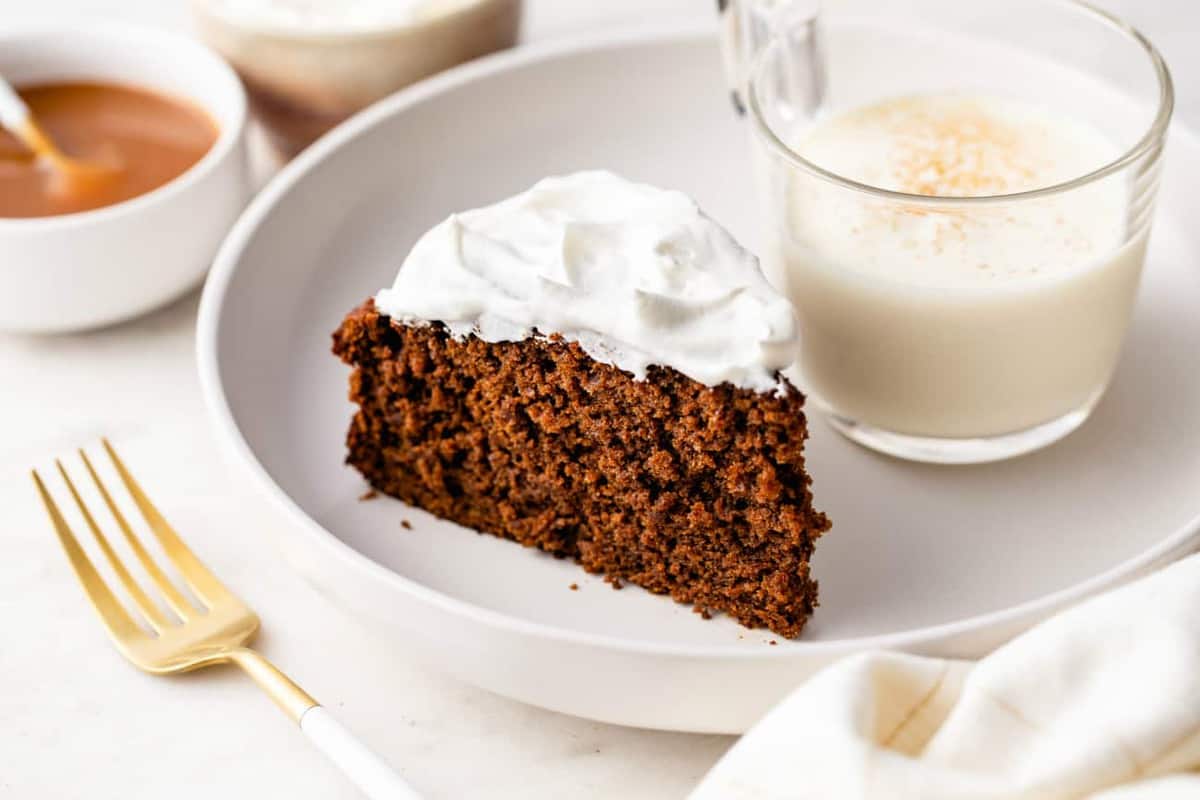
(636,275)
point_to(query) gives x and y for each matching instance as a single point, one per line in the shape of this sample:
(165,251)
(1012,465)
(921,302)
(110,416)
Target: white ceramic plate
(930,559)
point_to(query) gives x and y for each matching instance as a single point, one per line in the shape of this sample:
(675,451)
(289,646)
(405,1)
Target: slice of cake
(591,368)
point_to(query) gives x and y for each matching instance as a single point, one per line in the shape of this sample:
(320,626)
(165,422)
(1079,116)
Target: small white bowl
(305,80)
(77,271)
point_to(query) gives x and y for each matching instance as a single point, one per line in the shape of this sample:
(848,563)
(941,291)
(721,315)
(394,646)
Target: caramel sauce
(139,140)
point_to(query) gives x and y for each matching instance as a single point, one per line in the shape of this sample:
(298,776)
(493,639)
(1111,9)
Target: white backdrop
(77,722)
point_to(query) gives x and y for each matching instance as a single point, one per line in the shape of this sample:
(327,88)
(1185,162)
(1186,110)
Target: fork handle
(370,773)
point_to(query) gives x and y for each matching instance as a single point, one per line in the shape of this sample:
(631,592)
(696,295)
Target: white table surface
(76,721)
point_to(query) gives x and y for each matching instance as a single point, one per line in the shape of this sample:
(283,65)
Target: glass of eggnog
(959,198)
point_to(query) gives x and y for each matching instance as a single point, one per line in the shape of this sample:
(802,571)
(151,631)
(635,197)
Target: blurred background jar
(309,64)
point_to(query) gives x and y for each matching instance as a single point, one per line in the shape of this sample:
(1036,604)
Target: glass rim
(1152,138)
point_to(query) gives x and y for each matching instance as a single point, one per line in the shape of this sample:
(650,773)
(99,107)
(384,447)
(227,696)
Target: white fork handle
(362,766)
(13,111)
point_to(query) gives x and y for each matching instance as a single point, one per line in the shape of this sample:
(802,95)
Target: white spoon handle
(13,111)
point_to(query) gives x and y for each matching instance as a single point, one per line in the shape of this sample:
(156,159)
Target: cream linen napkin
(1102,701)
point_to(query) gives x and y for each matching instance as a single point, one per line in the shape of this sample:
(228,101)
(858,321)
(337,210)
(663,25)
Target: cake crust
(692,491)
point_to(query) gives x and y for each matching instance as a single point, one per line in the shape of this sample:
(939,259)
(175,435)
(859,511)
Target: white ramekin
(77,271)
(302,81)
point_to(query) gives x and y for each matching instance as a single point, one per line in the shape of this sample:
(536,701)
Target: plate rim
(226,264)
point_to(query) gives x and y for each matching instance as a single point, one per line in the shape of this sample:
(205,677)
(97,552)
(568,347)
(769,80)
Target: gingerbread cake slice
(592,368)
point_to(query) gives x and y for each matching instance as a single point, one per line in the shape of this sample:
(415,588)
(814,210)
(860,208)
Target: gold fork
(213,631)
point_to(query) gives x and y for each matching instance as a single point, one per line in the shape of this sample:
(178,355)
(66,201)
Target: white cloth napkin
(1101,701)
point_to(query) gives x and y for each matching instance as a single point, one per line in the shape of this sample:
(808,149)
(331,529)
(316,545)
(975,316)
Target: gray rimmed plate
(949,561)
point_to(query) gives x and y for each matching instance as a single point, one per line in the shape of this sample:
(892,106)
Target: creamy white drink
(956,321)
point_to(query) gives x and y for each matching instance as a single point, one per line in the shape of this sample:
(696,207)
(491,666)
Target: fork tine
(197,576)
(178,603)
(121,627)
(149,610)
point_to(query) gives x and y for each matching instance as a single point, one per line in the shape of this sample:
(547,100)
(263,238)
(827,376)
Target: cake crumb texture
(692,491)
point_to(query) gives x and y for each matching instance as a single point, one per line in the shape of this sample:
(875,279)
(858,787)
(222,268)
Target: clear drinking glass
(747,27)
(957,329)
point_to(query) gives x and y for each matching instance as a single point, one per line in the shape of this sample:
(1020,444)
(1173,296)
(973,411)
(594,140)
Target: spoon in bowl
(73,174)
